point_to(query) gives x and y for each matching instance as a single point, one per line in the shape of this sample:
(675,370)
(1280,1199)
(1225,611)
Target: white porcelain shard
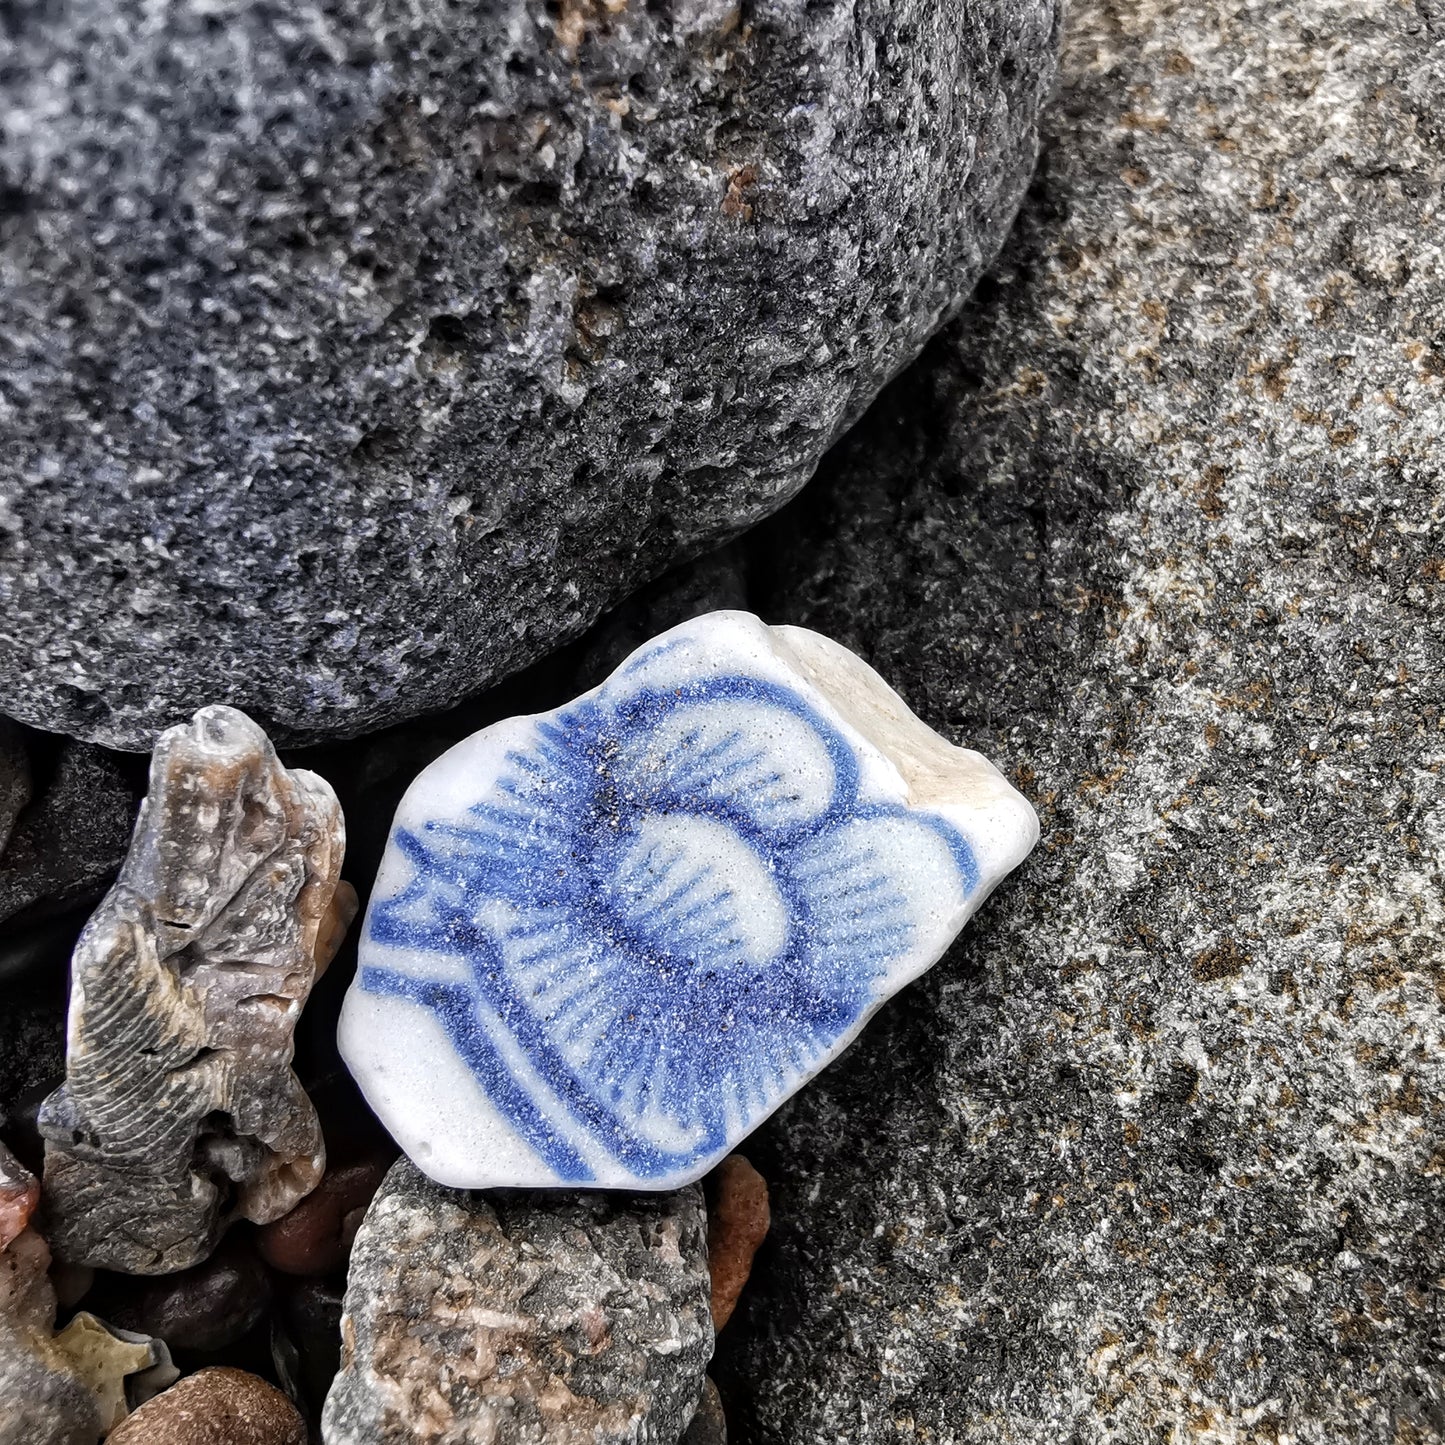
(608,941)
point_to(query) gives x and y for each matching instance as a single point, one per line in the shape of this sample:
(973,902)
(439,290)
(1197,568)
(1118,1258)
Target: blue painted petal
(676,906)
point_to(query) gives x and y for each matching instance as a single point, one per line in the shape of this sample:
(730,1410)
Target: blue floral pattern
(671,903)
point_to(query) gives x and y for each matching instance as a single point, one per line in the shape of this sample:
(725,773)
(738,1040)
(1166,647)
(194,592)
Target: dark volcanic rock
(65,846)
(14,777)
(357,353)
(709,1426)
(522,1317)
(1157,1155)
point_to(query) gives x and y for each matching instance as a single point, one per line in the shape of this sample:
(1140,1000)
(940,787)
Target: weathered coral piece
(215,1407)
(180,1111)
(607,942)
(525,1319)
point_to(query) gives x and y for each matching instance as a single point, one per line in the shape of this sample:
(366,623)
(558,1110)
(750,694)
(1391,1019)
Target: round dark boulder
(356,354)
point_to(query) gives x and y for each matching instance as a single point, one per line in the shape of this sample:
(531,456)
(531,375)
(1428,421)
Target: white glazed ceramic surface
(607,942)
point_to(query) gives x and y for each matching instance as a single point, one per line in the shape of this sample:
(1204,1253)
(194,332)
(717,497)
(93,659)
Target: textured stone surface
(179,1110)
(607,941)
(46,1403)
(215,1407)
(737,1223)
(1156,1154)
(357,352)
(569,1319)
(102,1357)
(65,847)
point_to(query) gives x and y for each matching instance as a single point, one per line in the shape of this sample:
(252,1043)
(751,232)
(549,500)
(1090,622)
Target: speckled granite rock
(520,1317)
(1156,1155)
(396,341)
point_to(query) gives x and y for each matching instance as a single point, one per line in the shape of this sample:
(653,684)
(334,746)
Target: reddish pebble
(316,1236)
(214,1407)
(737,1221)
(709,1424)
(19,1194)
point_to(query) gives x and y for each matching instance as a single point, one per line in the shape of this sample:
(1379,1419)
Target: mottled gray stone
(356,353)
(180,1111)
(1157,1155)
(519,1317)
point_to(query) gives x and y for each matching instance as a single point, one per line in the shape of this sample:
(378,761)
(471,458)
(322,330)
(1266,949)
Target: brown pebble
(214,1407)
(316,1236)
(737,1221)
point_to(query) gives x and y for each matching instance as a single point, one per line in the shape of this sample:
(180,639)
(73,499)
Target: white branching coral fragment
(180,1111)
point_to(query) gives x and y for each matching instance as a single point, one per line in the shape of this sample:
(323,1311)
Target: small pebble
(211,1305)
(19,1194)
(311,1318)
(709,1425)
(215,1407)
(316,1236)
(737,1222)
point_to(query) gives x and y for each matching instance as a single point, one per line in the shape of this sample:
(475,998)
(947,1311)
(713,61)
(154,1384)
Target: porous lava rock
(355,354)
(526,1317)
(180,1111)
(1157,1153)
